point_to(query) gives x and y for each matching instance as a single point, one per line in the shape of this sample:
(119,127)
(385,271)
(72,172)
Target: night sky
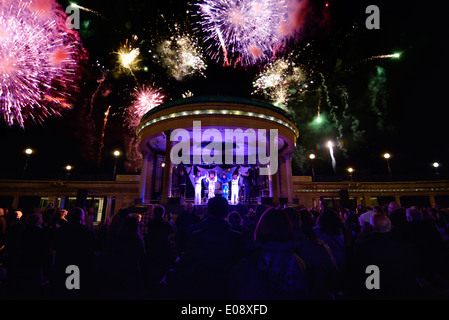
(408,118)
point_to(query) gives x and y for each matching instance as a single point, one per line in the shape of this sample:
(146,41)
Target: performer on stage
(197,183)
(235,188)
(247,183)
(224,180)
(182,180)
(211,179)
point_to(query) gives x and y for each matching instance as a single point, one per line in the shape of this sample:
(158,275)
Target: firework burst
(278,81)
(145,98)
(246,30)
(37,61)
(128,55)
(181,56)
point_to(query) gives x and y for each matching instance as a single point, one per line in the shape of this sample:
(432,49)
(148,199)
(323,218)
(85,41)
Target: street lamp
(350,170)
(68,168)
(28,152)
(436,165)
(387,157)
(116,155)
(312,157)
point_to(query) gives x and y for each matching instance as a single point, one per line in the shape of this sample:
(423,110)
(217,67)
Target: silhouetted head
(234,218)
(294,217)
(380,223)
(217,207)
(188,207)
(76,215)
(329,222)
(274,225)
(159,212)
(413,214)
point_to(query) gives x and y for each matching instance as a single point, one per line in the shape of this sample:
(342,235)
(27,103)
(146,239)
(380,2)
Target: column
(15,201)
(367,200)
(431,200)
(168,169)
(288,177)
(146,176)
(108,212)
(273,178)
(397,199)
(282,177)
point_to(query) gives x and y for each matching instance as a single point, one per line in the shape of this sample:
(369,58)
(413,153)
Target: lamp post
(68,168)
(28,152)
(436,165)
(116,155)
(387,157)
(312,157)
(350,170)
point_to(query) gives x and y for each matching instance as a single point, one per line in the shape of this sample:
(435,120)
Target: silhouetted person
(329,228)
(74,245)
(2,227)
(28,272)
(214,248)
(396,262)
(426,240)
(158,251)
(274,271)
(183,223)
(316,253)
(247,183)
(235,222)
(125,279)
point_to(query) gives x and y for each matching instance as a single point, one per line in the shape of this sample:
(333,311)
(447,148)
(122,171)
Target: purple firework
(248,31)
(37,60)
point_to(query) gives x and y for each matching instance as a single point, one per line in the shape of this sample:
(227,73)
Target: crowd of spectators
(217,252)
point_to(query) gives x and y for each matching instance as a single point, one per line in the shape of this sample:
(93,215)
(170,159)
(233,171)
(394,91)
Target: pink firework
(145,98)
(38,60)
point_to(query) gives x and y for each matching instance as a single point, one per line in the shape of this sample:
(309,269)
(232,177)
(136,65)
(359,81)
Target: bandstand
(253,119)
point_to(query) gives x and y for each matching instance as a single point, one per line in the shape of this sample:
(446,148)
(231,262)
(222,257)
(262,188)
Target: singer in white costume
(211,179)
(197,183)
(235,188)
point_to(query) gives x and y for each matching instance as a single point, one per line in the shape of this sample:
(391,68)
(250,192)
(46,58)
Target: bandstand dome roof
(219,112)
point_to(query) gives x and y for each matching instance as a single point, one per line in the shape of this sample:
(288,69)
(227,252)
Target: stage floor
(178,208)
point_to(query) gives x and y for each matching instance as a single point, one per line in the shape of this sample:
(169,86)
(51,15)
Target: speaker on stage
(283,200)
(265,200)
(174,200)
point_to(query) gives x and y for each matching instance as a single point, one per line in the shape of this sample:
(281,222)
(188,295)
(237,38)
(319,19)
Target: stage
(176,205)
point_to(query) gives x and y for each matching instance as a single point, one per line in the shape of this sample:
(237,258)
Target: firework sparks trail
(94,95)
(74,5)
(331,151)
(223,46)
(383,56)
(332,109)
(38,61)
(250,29)
(105,121)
